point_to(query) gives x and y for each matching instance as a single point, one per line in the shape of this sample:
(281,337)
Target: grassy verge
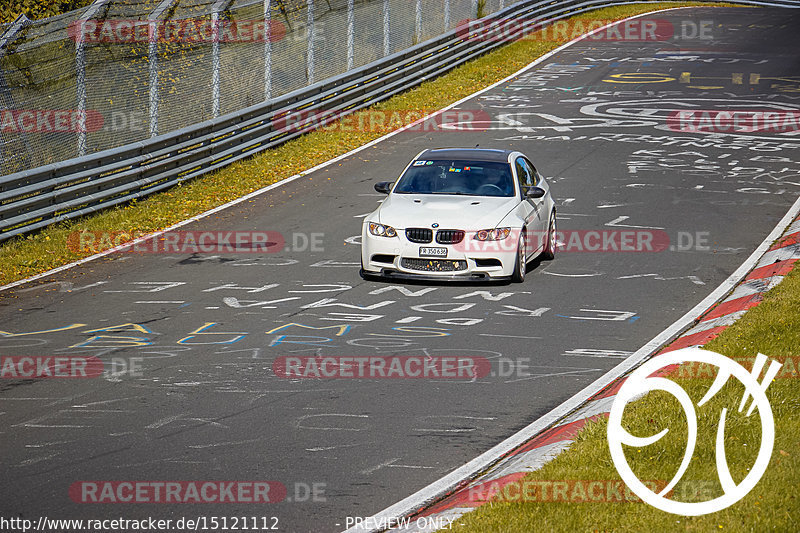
(36,253)
(772,328)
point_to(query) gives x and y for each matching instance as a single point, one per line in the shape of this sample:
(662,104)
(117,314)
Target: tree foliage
(38,9)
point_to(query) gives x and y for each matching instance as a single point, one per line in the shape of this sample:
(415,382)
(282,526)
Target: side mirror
(383,187)
(535,192)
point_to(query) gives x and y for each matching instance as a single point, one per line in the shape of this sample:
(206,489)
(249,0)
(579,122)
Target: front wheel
(549,251)
(520,265)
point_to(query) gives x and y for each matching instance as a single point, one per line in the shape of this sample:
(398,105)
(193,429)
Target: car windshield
(472,178)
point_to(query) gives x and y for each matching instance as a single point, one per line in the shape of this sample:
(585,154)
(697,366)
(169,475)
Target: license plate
(432,252)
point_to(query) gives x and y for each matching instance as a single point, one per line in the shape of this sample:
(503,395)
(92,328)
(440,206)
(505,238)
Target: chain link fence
(121,71)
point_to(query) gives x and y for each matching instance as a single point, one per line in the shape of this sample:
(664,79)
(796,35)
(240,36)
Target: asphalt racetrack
(193,337)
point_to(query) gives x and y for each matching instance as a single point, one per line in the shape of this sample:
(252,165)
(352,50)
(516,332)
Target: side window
(524,174)
(536,178)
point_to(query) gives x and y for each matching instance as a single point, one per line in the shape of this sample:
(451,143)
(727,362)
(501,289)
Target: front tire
(549,252)
(520,265)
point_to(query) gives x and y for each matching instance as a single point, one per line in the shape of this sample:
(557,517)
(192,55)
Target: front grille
(434,265)
(419,235)
(449,236)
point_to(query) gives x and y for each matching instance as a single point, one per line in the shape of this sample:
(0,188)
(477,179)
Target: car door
(541,205)
(527,208)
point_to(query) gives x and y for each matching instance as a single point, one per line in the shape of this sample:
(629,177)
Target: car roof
(467,154)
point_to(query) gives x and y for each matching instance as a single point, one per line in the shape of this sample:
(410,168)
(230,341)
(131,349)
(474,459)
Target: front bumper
(387,273)
(397,257)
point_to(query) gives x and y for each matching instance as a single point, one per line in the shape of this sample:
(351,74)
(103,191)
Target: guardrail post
(418,23)
(215,63)
(152,82)
(80,71)
(268,50)
(152,55)
(6,97)
(217,10)
(446,15)
(351,34)
(80,84)
(387,42)
(310,35)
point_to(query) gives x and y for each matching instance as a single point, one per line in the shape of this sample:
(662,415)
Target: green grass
(38,252)
(772,328)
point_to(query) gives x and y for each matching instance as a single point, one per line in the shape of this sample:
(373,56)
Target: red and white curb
(765,272)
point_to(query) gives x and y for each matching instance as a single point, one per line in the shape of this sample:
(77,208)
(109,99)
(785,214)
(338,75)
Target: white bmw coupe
(461,214)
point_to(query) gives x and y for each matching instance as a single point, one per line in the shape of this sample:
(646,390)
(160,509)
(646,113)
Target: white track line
(437,489)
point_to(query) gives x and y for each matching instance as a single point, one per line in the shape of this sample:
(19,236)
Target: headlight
(381,230)
(496,234)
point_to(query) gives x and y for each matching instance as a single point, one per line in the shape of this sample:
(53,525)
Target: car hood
(450,212)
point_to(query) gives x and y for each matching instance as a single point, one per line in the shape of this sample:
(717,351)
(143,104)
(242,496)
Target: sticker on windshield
(421,163)
(429,163)
(454,169)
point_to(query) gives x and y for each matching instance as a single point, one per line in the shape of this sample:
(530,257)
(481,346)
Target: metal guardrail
(36,198)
